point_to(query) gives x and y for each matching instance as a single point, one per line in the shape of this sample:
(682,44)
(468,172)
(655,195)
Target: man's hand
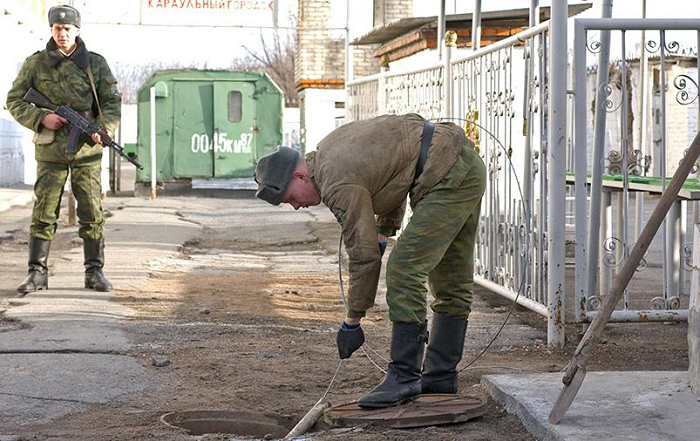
(382,243)
(349,339)
(53,122)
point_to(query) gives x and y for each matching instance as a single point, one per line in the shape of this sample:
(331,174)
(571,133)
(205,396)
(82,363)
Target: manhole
(426,410)
(237,422)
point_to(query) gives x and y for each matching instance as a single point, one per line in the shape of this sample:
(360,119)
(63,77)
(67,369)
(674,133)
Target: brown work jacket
(364,170)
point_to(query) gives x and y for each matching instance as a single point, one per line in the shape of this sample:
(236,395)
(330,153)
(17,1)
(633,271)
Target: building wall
(397,9)
(320,63)
(26,23)
(681,120)
(318,55)
(322,111)
(364,63)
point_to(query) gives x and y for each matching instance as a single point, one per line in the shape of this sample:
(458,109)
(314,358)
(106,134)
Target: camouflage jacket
(364,171)
(64,81)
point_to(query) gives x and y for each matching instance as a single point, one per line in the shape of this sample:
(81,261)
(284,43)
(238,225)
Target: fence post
(593,249)
(556,158)
(450,43)
(694,317)
(381,85)
(153,143)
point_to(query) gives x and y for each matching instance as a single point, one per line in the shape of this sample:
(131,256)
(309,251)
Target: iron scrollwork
(687,256)
(636,162)
(606,92)
(610,259)
(682,83)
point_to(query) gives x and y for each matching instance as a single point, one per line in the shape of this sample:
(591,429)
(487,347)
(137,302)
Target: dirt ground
(245,339)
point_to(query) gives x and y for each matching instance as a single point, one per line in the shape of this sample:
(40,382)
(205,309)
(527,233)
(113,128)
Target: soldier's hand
(349,339)
(96,138)
(53,122)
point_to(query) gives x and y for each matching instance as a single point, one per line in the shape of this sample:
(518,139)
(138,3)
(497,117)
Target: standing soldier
(67,74)
(363,172)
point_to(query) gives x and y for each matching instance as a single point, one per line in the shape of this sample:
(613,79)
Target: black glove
(382,248)
(349,339)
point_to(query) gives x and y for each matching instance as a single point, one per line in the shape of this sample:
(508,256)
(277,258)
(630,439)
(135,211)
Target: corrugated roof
(511,17)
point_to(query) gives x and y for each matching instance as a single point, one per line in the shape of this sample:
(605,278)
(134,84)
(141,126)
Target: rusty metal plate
(426,410)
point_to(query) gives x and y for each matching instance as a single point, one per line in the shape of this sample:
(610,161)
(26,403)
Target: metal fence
(512,98)
(631,169)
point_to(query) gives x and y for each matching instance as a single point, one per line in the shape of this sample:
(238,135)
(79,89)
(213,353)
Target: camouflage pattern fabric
(64,81)
(437,245)
(48,189)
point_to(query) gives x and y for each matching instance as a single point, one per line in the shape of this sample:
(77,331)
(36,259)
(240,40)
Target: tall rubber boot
(444,352)
(38,277)
(94,262)
(402,380)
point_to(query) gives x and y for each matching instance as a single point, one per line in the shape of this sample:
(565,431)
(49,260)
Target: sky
(215,47)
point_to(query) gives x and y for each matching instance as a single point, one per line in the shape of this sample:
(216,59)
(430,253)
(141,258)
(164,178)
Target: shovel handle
(628,269)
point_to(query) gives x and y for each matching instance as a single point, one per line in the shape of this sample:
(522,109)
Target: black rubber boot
(402,381)
(444,352)
(38,277)
(94,262)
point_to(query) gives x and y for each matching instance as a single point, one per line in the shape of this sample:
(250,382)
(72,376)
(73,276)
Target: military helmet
(64,14)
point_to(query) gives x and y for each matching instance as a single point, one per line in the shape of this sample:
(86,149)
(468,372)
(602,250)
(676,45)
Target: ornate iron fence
(501,95)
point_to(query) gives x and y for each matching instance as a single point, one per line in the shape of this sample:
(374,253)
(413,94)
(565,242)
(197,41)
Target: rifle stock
(35,97)
(79,125)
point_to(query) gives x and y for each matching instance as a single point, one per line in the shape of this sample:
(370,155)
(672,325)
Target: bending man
(363,172)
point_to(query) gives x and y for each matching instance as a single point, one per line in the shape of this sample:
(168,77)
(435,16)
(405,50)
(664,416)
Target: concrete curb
(512,405)
(620,405)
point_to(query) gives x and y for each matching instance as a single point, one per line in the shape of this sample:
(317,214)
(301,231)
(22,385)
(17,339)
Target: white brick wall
(681,120)
(396,9)
(16,149)
(321,53)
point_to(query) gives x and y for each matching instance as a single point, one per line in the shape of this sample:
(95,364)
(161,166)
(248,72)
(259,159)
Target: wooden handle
(628,269)
(308,421)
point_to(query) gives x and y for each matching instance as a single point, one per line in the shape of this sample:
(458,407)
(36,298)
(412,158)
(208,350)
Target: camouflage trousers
(437,246)
(48,189)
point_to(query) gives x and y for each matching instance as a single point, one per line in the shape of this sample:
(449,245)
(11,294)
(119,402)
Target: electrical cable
(345,304)
(522,278)
(527,243)
(500,329)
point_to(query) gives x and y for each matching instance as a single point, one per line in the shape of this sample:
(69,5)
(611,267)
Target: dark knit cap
(64,14)
(273,173)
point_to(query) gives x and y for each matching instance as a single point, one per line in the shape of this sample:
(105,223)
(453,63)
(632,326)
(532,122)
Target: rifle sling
(426,137)
(94,90)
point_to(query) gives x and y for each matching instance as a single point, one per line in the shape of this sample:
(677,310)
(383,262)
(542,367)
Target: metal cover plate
(426,410)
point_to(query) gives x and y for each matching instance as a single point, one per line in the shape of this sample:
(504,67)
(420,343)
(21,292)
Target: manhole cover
(237,422)
(426,410)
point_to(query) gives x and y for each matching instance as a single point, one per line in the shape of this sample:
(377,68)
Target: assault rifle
(79,125)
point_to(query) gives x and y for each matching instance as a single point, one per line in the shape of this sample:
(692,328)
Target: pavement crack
(59,351)
(33,397)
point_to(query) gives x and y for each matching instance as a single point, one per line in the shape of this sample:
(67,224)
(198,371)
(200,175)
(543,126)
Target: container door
(235,129)
(193,130)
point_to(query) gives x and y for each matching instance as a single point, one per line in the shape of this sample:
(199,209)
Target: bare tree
(130,77)
(276,58)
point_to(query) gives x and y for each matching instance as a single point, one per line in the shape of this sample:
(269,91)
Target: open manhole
(426,410)
(236,422)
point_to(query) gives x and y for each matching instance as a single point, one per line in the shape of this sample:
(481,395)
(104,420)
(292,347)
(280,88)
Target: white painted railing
(512,98)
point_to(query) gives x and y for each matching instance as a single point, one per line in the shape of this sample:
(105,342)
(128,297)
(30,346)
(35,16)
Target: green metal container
(208,123)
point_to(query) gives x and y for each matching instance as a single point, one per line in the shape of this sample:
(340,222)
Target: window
(235,106)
